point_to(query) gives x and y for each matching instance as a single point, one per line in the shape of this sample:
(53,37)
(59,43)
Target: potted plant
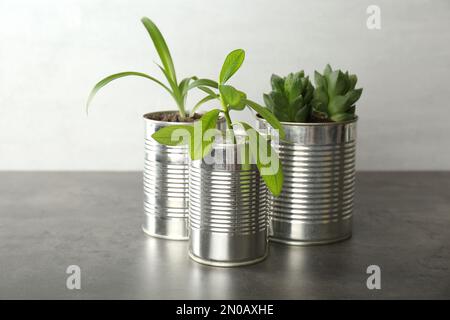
(227,206)
(317,154)
(166,167)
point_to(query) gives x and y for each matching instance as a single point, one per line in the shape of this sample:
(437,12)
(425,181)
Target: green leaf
(292,86)
(269,116)
(207,90)
(319,80)
(277,83)
(280,101)
(169,136)
(203,83)
(341,117)
(354,96)
(161,47)
(232,63)
(110,78)
(273,180)
(339,104)
(353,79)
(327,71)
(341,84)
(184,86)
(234,98)
(199,147)
(303,113)
(320,95)
(268,102)
(202,101)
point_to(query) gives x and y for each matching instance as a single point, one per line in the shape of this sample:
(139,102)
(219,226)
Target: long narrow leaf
(184,85)
(112,77)
(273,180)
(161,47)
(268,115)
(175,89)
(202,101)
(207,90)
(203,83)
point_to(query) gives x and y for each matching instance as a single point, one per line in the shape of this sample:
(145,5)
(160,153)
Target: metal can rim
(307,124)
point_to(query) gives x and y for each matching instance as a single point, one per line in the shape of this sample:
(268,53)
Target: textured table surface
(49,221)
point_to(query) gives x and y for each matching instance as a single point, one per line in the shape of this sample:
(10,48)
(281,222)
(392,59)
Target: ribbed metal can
(166,182)
(227,210)
(316,203)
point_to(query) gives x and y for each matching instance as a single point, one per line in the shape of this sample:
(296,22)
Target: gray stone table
(49,221)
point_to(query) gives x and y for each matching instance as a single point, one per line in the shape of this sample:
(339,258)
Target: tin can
(316,203)
(166,182)
(227,209)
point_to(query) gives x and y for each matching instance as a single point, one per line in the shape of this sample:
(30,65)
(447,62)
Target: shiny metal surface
(316,204)
(165,185)
(227,211)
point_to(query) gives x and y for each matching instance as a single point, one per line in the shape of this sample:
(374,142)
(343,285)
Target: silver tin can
(166,179)
(316,203)
(227,210)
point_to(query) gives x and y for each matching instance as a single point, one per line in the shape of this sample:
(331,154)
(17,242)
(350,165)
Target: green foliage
(335,95)
(230,99)
(290,98)
(178,91)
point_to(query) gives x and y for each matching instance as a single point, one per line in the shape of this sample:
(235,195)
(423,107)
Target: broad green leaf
(110,78)
(199,145)
(161,47)
(269,116)
(273,180)
(234,98)
(174,135)
(232,63)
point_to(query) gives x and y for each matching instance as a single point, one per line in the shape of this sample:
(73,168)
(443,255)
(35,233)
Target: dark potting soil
(316,119)
(172,117)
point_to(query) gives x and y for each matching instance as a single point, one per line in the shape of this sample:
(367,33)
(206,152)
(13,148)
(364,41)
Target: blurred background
(52,53)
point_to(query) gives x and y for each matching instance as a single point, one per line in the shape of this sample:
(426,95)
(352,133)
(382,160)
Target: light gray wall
(53,51)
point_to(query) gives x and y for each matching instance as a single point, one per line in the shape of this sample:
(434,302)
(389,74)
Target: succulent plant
(290,98)
(335,95)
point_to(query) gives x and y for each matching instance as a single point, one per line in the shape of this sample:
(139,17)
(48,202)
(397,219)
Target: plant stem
(228,119)
(181,111)
(226,112)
